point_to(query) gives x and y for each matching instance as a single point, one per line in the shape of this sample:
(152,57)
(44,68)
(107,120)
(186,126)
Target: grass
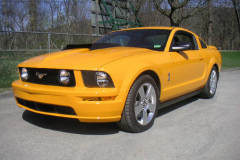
(4,89)
(10,60)
(230,59)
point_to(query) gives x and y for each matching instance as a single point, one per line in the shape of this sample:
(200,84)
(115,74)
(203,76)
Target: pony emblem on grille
(40,75)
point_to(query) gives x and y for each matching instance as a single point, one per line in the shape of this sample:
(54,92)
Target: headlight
(64,77)
(102,79)
(95,79)
(24,74)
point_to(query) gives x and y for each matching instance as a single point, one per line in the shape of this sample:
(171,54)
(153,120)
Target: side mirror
(181,46)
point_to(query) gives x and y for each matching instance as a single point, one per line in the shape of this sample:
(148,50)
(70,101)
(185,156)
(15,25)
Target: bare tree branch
(176,5)
(196,10)
(235,5)
(157,5)
(138,5)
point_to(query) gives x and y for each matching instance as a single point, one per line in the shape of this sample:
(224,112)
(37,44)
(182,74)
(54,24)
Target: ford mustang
(124,76)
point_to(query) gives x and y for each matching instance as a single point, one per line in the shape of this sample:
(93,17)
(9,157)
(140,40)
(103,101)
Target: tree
(7,12)
(210,21)
(236,5)
(33,22)
(138,4)
(176,11)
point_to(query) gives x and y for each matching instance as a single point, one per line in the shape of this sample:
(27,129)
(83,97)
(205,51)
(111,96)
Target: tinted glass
(154,39)
(185,37)
(203,44)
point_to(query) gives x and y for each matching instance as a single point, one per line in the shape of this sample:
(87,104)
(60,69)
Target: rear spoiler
(73,46)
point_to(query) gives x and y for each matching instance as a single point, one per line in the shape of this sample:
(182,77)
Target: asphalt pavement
(194,129)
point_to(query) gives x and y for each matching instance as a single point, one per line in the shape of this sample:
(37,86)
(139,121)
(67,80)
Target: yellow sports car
(124,77)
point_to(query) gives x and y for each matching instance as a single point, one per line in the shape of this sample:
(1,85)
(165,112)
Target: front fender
(124,72)
(135,70)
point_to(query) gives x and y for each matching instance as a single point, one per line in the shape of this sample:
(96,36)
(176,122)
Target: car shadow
(175,106)
(73,126)
(69,125)
(184,55)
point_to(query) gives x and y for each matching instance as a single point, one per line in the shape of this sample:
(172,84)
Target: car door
(189,65)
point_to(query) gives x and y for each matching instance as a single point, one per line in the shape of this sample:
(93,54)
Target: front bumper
(86,111)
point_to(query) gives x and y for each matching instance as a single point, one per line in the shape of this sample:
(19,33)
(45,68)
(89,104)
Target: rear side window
(203,44)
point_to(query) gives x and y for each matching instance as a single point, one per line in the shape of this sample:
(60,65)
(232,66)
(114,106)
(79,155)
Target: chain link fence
(16,47)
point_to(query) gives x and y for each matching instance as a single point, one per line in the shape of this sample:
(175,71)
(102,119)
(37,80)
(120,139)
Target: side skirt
(173,101)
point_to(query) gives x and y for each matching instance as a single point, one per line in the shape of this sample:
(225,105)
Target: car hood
(81,59)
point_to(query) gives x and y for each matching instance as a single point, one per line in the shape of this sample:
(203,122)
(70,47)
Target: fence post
(49,42)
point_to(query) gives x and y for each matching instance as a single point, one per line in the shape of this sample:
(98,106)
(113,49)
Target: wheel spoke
(151,107)
(141,92)
(149,92)
(136,103)
(138,110)
(145,117)
(214,74)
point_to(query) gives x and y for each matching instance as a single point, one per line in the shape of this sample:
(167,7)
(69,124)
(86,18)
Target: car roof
(153,27)
(156,27)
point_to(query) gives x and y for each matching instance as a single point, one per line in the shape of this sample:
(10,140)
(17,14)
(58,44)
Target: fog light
(98,98)
(64,77)
(24,74)
(108,98)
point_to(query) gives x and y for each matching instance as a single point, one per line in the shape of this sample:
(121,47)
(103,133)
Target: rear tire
(211,87)
(141,105)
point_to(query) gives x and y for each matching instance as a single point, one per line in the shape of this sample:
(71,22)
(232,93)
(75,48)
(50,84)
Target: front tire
(211,87)
(141,105)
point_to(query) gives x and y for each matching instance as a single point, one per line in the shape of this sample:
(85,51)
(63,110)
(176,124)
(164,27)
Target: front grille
(51,77)
(46,107)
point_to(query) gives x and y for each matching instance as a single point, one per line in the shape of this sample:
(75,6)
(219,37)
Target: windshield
(154,39)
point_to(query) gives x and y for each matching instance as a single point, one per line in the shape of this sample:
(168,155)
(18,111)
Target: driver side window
(185,37)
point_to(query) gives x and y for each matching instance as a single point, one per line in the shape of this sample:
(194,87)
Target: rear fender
(213,61)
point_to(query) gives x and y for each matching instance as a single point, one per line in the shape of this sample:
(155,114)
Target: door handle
(200,58)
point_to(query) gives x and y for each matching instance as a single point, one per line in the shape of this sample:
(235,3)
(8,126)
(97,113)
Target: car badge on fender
(40,75)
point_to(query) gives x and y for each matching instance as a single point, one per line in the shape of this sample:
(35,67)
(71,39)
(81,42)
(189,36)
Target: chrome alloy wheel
(145,103)
(213,82)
